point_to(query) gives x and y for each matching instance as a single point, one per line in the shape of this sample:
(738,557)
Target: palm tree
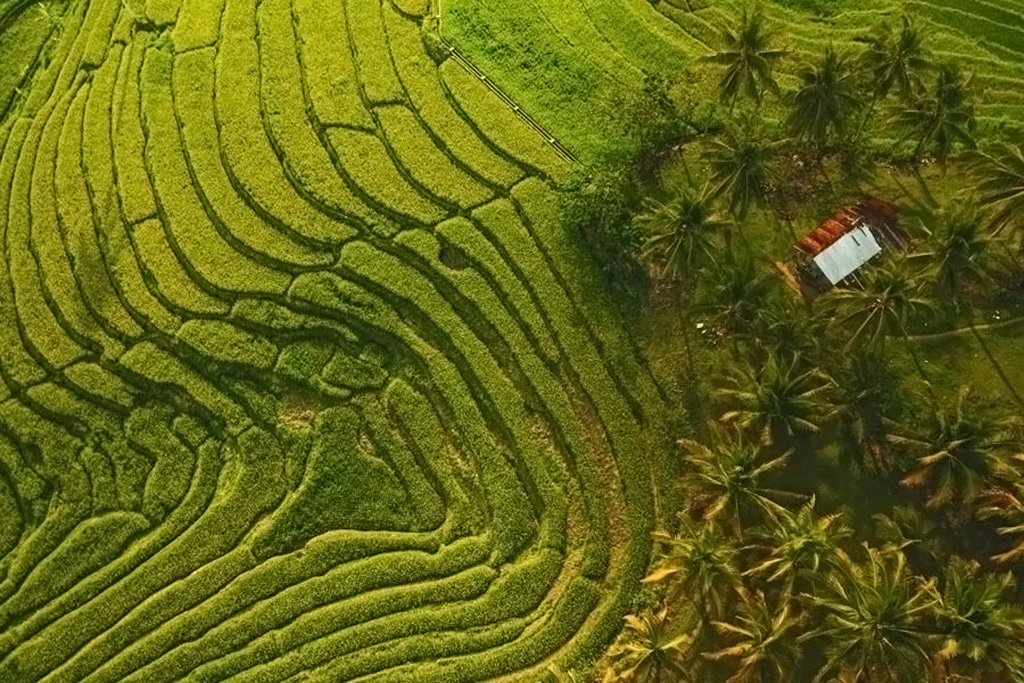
(740,163)
(983,630)
(864,393)
(785,327)
(727,477)
(909,529)
(680,231)
(764,644)
(825,100)
(777,402)
(875,618)
(748,58)
(805,547)
(893,60)
(961,451)
(1007,506)
(1000,177)
(942,118)
(957,244)
(890,298)
(649,651)
(701,564)
(733,292)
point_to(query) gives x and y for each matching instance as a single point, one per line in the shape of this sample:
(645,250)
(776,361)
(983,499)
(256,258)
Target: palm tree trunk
(924,186)
(686,166)
(687,332)
(789,223)
(995,364)
(828,181)
(867,117)
(917,361)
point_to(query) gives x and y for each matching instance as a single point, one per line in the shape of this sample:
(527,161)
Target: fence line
(550,139)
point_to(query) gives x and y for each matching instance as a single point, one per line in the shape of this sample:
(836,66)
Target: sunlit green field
(300,377)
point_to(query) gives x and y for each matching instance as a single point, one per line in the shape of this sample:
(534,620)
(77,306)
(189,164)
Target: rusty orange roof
(872,210)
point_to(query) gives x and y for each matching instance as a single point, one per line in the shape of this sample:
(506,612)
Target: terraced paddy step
(299,376)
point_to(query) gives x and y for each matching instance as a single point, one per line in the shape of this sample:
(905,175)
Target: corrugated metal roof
(871,210)
(848,253)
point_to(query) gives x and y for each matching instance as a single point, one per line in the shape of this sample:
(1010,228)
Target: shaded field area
(300,377)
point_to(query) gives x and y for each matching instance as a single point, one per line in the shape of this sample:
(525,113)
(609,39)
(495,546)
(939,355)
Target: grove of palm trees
(848,502)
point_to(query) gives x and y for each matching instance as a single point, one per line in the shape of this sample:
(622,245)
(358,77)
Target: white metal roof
(847,254)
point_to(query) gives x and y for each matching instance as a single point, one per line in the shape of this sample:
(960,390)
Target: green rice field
(300,377)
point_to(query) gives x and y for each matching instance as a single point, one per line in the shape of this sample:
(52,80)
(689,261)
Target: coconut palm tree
(875,621)
(960,451)
(890,298)
(680,234)
(865,392)
(825,100)
(777,402)
(893,60)
(909,529)
(701,564)
(680,231)
(733,292)
(740,163)
(805,548)
(748,58)
(786,328)
(1007,506)
(726,478)
(943,117)
(999,172)
(763,642)
(983,630)
(957,243)
(649,652)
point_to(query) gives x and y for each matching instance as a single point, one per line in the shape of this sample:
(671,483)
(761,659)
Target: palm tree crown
(895,60)
(740,169)
(1007,506)
(702,563)
(983,629)
(944,117)
(648,650)
(825,100)
(1000,176)
(680,231)
(778,401)
(729,475)
(763,642)
(961,452)
(874,615)
(890,298)
(748,58)
(805,546)
(734,292)
(958,244)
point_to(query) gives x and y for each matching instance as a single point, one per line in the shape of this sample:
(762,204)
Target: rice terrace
(556,341)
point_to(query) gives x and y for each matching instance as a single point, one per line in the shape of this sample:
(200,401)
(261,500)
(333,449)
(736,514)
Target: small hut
(838,249)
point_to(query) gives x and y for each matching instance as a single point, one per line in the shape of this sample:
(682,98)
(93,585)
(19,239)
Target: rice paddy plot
(299,377)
